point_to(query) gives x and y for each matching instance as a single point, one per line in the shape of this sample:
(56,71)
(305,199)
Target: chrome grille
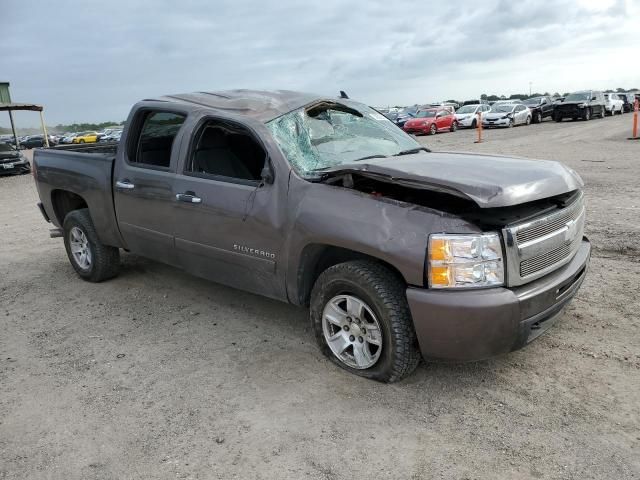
(542,245)
(554,222)
(540,262)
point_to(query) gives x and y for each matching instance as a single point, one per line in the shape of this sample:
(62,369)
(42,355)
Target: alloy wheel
(352,331)
(80,249)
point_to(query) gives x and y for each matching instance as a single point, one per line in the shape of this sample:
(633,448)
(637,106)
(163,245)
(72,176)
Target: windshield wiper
(411,151)
(370,156)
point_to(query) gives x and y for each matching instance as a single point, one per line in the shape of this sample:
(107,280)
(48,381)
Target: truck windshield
(578,97)
(318,139)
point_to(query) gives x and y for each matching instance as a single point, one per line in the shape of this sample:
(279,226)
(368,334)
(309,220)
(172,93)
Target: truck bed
(64,174)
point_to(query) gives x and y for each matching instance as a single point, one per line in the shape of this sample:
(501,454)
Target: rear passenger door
(143,183)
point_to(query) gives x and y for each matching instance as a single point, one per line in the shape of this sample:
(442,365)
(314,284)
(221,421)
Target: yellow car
(86,137)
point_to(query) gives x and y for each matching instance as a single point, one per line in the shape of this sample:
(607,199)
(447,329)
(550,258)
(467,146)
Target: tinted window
(224,150)
(156,138)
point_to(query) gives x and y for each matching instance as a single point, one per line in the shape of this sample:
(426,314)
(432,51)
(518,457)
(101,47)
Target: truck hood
(488,180)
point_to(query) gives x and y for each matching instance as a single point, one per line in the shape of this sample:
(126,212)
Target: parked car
(406,114)
(541,108)
(432,121)
(613,104)
(474,102)
(507,115)
(467,115)
(12,160)
(86,137)
(32,141)
(627,99)
(396,250)
(584,104)
(114,136)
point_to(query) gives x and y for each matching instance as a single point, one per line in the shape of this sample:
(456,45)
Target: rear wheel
(92,260)
(362,321)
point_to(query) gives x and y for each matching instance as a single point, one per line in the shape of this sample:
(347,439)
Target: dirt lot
(157,374)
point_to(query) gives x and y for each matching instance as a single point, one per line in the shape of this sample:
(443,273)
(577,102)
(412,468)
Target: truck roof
(262,105)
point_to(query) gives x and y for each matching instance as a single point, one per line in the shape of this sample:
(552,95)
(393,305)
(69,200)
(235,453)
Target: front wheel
(538,117)
(528,121)
(433,130)
(558,117)
(454,126)
(586,116)
(91,260)
(362,322)
(602,113)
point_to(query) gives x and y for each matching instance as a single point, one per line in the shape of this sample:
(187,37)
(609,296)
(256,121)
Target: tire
(474,123)
(81,141)
(557,117)
(103,261)
(454,126)
(586,116)
(528,121)
(433,130)
(539,117)
(383,294)
(511,122)
(603,113)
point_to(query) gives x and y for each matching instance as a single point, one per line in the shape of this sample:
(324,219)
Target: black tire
(454,126)
(586,116)
(474,123)
(511,123)
(81,141)
(602,112)
(385,293)
(105,262)
(538,117)
(557,117)
(433,129)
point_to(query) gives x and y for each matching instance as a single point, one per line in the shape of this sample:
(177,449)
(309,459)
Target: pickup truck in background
(398,252)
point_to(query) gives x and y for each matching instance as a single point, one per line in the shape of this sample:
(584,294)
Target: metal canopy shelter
(11,107)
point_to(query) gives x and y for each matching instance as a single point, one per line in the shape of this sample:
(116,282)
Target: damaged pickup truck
(397,251)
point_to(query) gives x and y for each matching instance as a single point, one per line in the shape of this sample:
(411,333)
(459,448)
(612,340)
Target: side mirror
(267,173)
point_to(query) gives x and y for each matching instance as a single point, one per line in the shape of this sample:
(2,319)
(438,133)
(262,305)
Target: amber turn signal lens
(439,249)
(440,276)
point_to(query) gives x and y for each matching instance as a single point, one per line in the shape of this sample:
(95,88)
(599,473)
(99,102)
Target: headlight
(463,261)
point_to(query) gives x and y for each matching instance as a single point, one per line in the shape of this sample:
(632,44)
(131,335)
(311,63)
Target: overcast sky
(89,61)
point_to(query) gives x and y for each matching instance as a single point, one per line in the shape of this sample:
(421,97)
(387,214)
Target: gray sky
(89,61)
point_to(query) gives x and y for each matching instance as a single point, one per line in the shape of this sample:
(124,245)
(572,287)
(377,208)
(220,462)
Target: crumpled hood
(489,180)
(494,115)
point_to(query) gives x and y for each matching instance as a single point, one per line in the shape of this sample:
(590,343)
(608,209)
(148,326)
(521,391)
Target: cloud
(91,61)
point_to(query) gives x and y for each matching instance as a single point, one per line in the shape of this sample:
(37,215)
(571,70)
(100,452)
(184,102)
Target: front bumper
(465,122)
(417,129)
(501,122)
(477,324)
(20,165)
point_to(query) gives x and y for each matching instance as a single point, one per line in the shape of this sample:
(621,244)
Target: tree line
(62,128)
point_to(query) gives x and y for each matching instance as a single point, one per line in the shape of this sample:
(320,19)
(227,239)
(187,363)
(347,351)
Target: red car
(431,121)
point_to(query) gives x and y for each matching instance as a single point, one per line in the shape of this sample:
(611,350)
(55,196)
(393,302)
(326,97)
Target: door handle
(188,197)
(126,184)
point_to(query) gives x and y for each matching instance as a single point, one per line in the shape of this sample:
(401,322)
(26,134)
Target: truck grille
(544,244)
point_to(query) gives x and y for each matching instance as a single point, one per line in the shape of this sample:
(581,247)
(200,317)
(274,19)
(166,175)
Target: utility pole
(529,88)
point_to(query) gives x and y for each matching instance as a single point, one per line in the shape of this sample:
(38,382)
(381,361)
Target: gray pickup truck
(397,251)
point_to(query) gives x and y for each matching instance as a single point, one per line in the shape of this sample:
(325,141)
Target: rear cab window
(154,142)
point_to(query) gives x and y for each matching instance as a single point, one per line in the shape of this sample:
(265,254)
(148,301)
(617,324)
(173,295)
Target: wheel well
(316,258)
(64,202)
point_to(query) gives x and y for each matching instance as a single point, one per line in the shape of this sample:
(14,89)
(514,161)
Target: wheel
(433,130)
(539,117)
(81,141)
(586,116)
(528,121)
(510,125)
(602,113)
(558,117)
(362,322)
(92,260)
(474,123)
(454,126)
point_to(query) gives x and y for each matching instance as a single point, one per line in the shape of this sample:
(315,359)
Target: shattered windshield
(331,134)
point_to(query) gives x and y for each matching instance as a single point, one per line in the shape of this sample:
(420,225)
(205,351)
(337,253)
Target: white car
(507,115)
(613,103)
(467,116)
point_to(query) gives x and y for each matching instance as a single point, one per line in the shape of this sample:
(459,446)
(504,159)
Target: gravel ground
(158,374)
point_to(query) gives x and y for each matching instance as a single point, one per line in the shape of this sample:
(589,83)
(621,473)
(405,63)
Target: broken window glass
(330,134)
